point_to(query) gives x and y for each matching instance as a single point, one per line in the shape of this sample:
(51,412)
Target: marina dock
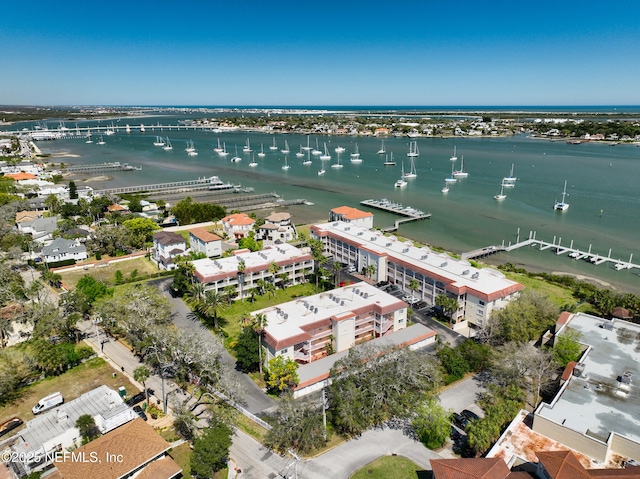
(558,249)
(101,167)
(410,214)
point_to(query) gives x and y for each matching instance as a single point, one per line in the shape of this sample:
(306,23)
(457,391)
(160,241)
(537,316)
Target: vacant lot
(106,274)
(72,384)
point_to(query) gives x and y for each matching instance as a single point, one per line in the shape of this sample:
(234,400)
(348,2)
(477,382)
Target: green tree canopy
(283,374)
(211,450)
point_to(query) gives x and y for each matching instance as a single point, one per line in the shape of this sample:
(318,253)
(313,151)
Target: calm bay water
(602,184)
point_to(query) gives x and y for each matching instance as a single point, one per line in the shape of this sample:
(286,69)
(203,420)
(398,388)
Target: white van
(52,400)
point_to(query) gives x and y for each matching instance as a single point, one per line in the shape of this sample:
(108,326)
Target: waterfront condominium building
(313,327)
(352,215)
(419,270)
(245,269)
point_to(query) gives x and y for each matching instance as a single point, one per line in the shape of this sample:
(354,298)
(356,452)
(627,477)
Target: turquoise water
(602,185)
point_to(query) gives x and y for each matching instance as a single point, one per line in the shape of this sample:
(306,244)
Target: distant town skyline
(348,53)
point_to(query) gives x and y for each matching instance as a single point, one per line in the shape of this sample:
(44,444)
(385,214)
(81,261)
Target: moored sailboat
(561,205)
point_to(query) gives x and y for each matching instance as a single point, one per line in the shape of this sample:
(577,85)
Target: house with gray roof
(61,249)
(41,229)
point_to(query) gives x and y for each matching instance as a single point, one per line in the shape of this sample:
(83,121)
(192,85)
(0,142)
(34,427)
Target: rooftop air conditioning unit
(360,233)
(475,275)
(405,250)
(388,245)
(444,264)
(341,303)
(465,272)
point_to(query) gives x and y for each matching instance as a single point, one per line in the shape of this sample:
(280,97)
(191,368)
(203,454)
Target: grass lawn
(558,295)
(72,384)
(392,467)
(230,318)
(106,274)
(182,456)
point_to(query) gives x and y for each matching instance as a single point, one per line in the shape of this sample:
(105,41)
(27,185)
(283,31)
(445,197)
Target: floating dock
(101,167)
(410,214)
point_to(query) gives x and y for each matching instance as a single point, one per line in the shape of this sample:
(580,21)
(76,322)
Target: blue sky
(320,53)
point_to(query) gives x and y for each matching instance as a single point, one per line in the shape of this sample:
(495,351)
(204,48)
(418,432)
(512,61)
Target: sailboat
(501,195)
(262,153)
(509,181)
(89,140)
(326,155)
(461,173)
(101,142)
(308,160)
(247,147)
(189,147)
(321,171)
(167,146)
(274,146)
(412,173)
(413,149)
(218,148)
(224,151)
(339,149)
(382,149)
(159,141)
(300,153)
(355,156)
(454,158)
(561,205)
(285,150)
(445,188)
(193,153)
(451,179)
(338,164)
(401,183)
(253,163)
(307,148)
(389,162)
(236,158)
(316,151)
(286,165)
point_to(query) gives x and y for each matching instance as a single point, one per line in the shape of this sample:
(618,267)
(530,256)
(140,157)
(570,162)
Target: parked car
(459,420)
(351,269)
(135,399)
(138,410)
(470,415)
(10,425)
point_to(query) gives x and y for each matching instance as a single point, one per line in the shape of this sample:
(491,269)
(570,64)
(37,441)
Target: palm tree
(195,293)
(336,268)
(371,270)
(414,285)
(259,323)
(230,292)
(141,374)
(283,277)
(242,267)
(273,270)
(211,305)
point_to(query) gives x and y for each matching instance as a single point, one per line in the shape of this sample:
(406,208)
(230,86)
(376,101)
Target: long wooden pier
(101,167)
(558,249)
(209,183)
(410,214)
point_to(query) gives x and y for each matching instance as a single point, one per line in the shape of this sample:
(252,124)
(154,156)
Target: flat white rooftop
(597,401)
(456,272)
(288,320)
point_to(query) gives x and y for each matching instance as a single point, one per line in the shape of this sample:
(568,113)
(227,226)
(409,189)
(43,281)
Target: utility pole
(324,413)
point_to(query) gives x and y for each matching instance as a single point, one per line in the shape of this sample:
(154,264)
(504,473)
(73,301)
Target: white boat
(247,147)
(561,205)
(326,155)
(253,163)
(413,149)
(307,148)
(262,153)
(285,150)
(274,146)
(389,162)
(501,195)
(339,149)
(300,153)
(190,147)
(142,128)
(355,156)
(167,146)
(400,183)
(110,130)
(451,179)
(412,173)
(286,165)
(445,188)
(453,157)
(101,142)
(509,181)
(159,141)
(236,158)
(224,151)
(461,173)
(316,151)
(218,148)
(89,140)
(321,171)
(338,164)
(127,128)
(308,160)
(382,149)
(192,153)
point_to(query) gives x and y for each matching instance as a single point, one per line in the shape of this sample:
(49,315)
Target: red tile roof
(204,235)
(351,213)
(478,468)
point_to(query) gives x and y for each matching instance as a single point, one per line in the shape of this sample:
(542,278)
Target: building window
(481,303)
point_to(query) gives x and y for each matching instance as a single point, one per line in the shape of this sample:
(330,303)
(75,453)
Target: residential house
(166,247)
(134,449)
(419,270)
(237,226)
(41,229)
(277,229)
(245,269)
(22,216)
(202,240)
(61,249)
(352,215)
